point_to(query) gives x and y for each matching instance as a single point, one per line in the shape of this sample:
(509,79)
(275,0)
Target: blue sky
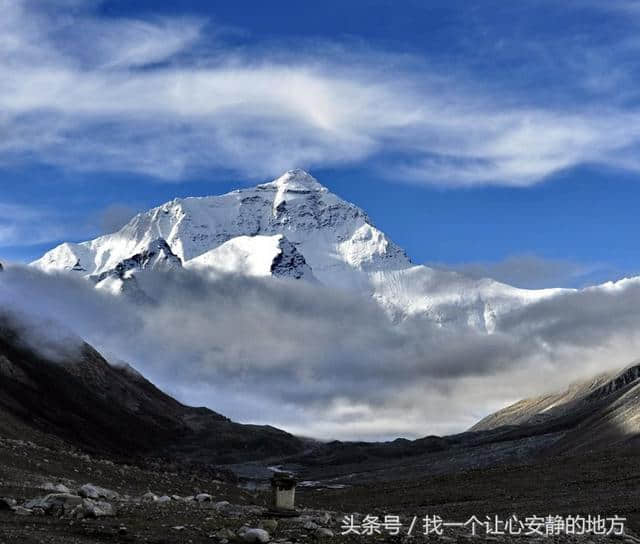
(500,138)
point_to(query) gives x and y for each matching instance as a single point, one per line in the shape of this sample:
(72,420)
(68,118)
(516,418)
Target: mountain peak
(296,180)
(293,184)
(337,239)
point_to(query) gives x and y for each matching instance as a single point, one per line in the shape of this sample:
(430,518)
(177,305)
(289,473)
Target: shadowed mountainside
(84,400)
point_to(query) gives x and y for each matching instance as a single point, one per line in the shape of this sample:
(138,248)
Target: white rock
(58,488)
(255,535)
(21,511)
(95,492)
(203,497)
(149,497)
(93,509)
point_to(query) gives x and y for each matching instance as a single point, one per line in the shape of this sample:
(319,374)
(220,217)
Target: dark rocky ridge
(290,263)
(87,402)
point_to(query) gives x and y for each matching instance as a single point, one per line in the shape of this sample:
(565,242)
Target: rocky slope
(83,400)
(597,413)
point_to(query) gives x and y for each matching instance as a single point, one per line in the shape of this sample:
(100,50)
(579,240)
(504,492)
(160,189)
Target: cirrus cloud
(163,97)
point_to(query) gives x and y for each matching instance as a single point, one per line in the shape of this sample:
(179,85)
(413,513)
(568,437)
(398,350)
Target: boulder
(323,532)
(203,497)
(93,509)
(99,509)
(255,536)
(95,492)
(149,497)
(64,501)
(164,498)
(56,488)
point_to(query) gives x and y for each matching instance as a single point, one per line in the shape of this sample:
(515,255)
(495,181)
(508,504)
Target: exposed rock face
(289,262)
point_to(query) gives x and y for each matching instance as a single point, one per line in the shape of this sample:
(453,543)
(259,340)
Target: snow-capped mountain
(337,239)
(291,227)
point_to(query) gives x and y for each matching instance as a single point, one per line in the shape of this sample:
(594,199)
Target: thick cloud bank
(323,362)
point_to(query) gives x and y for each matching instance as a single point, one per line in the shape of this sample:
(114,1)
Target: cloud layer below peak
(327,363)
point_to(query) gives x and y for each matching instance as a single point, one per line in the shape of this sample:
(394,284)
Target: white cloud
(142,96)
(330,364)
(531,271)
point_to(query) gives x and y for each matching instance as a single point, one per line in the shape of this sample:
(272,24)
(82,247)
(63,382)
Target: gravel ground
(604,485)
